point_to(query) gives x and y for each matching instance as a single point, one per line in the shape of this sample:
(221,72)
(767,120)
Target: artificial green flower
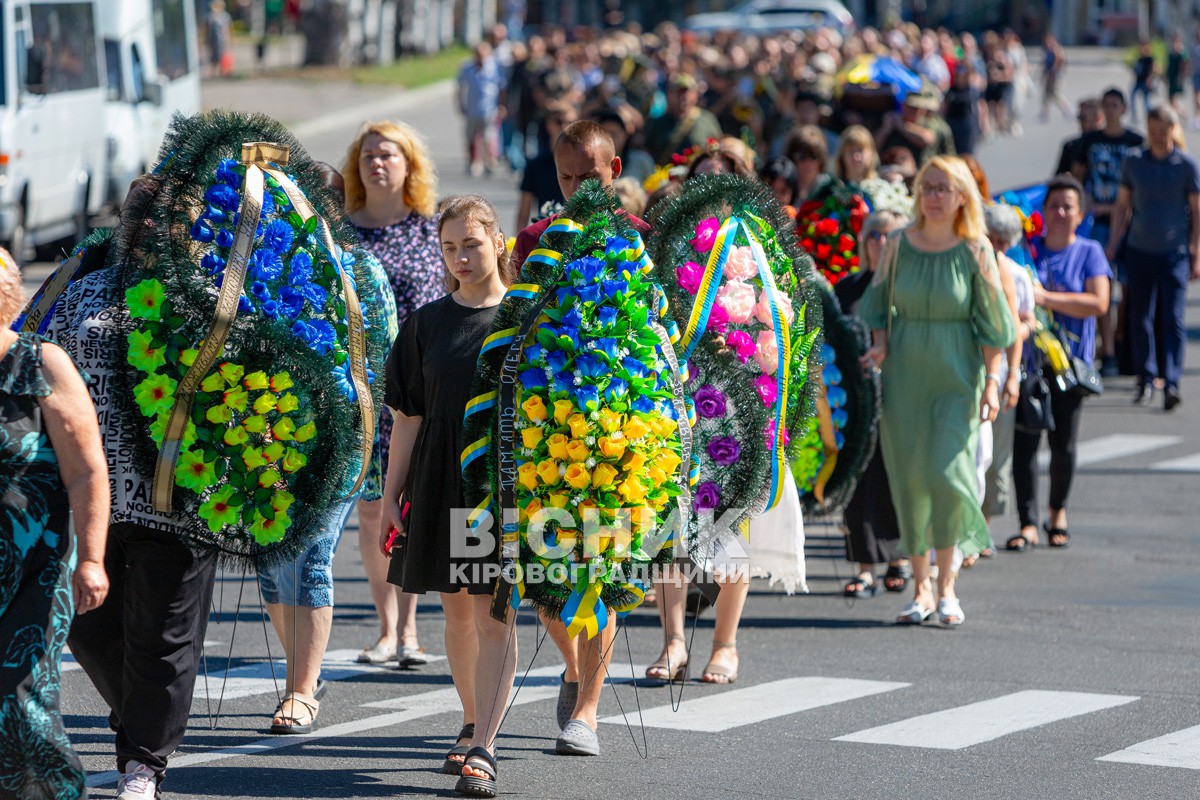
(236,398)
(287,404)
(155,395)
(281,381)
(145,300)
(255,424)
(218,510)
(266,530)
(269,477)
(255,381)
(232,373)
(305,432)
(188,357)
(281,501)
(219,415)
(264,403)
(235,436)
(193,472)
(284,430)
(273,452)
(293,460)
(253,458)
(143,354)
(212,383)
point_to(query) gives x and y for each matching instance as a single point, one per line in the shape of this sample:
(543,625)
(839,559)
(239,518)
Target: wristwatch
(991,376)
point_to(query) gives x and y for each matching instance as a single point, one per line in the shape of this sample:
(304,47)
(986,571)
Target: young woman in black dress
(429,376)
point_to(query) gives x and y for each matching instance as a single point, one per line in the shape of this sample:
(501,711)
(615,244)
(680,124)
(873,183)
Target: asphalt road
(1074,675)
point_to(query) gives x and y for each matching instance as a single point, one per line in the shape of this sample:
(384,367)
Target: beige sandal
(664,669)
(716,670)
(291,723)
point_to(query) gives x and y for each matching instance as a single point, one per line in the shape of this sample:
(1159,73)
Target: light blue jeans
(308,580)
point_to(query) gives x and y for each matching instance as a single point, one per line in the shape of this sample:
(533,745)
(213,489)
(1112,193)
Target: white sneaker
(138,783)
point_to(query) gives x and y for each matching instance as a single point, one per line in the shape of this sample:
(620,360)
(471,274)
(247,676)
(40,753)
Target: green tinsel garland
(154,241)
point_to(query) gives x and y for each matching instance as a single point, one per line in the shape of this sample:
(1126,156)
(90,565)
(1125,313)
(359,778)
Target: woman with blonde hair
(939,321)
(391,197)
(857,159)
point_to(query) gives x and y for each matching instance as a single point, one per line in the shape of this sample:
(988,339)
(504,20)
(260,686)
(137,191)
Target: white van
(150,49)
(52,139)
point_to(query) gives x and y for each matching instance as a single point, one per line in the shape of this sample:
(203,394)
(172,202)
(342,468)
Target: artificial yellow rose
(527,475)
(284,430)
(212,383)
(663,426)
(631,489)
(264,403)
(219,415)
(548,472)
(274,451)
(562,410)
(281,381)
(236,399)
(579,425)
(287,404)
(578,451)
(255,424)
(558,499)
(610,420)
(578,477)
(253,458)
(641,518)
(656,475)
(557,446)
(235,436)
(533,506)
(658,500)
(586,505)
(535,409)
(604,475)
(188,357)
(634,462)
(531,436)
(268,477)
(611,447)
(293,460)
(635,428)
(667,460)
(306,432)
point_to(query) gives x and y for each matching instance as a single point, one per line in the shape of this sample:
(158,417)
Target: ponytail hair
(478,209)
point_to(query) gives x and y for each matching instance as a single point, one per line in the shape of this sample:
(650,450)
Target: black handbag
(1081,379)
(1033,410)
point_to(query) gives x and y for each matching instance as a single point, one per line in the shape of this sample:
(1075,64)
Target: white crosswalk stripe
(1113,447)
(964,726)
(1179,749)
(1184,464)
(732,709)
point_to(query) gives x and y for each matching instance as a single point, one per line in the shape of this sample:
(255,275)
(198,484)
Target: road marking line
(747,706)
(1184,464)
(964,726)
(1179,749)
(1117,445)
(541,684)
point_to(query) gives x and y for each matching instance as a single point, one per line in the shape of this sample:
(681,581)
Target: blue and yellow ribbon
(544,255)
(564,225)
(476,516)
(707,294)
(499,339)
(525,291)
(474,450)
(585,611)
(481,403)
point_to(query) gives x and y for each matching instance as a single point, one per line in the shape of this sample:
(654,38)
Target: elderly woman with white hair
(1005,230)
(51,465)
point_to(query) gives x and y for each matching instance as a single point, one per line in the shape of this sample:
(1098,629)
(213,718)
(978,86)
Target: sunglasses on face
(937,189)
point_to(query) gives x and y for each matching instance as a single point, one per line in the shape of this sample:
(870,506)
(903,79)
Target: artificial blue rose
(616,246)
(534,352)
(270,308)
(302,268)
(589,293)
(324,337)
(245,306)
(268,206)
(370,375)
(635,368)
(590,366)
(616,389)
(314,293)
(563,381)
(260,291)
(304,332)
(571,334)
(564,295)
(587,397)
(265,264)
(279,237)
(533,378)
(586,270)
(212,263)
(202,231)
(214,213)
(291,302)
(345,381)
(644,405)
(608,346)
(573,318)
(607,315)
(557,360)
(836,396)
(225,238)
(227,173)
(222,196)
(348,261)
(615,288)
(840,417)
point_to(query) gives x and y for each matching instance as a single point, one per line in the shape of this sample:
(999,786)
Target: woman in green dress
(939,324)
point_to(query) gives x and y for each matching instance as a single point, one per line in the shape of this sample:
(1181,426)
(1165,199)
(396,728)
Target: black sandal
(897,577)
(478,787)
(1063,535)
(866,588)
(1019,544)
(453,766)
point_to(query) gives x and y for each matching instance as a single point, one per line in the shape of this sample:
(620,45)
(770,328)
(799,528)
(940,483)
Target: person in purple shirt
(1073,283)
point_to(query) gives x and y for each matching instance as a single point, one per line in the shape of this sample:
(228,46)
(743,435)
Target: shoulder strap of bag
(892,259)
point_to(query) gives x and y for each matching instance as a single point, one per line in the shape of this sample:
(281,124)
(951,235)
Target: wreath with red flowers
(827,229)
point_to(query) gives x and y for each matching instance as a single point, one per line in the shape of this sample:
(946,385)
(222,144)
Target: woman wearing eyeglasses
(939,322)
(872,532)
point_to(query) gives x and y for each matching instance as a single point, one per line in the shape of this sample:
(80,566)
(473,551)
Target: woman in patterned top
(391,195)
(51,464)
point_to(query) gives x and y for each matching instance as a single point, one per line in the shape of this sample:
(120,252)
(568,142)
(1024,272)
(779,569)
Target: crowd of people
(970,303)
